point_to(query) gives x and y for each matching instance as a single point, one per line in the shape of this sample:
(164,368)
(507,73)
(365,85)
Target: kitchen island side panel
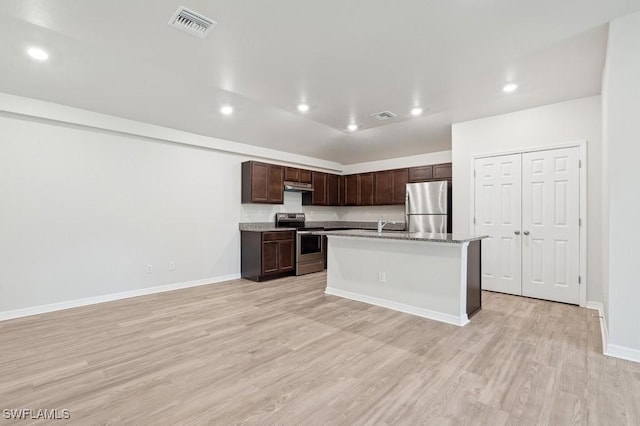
(417,277)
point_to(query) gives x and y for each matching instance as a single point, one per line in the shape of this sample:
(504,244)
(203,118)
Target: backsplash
(371,213)
(267,212)
(293,204)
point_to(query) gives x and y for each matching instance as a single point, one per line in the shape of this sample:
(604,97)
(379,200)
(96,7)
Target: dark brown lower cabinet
(267,255)
(474,278)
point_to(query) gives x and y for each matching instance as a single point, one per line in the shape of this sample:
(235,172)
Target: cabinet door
(291,174)
(365,189)
(319,189)
(305,176)
(351,190)
(276,184)
(442,171)
(383,187)
(259,187)
(333,190)
(420,174)
(285,255)
(270,257)
(400,179)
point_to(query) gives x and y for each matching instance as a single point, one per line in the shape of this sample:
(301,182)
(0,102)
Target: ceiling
(347,59)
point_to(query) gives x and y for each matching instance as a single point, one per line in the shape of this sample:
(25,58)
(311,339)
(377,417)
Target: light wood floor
(282,352)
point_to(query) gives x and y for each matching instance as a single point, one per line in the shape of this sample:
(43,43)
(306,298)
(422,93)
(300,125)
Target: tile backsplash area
(267,212)
(293,204)
(371,213)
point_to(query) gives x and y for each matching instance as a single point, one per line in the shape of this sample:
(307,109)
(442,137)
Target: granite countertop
(270,226)
(455,238)
(262,227)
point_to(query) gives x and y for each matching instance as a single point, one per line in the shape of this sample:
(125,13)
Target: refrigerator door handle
(406,212)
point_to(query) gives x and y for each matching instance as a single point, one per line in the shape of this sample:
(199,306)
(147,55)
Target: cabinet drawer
(277,235)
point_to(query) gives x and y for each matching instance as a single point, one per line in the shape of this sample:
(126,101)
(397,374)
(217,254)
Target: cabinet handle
(526,232)
(516,232)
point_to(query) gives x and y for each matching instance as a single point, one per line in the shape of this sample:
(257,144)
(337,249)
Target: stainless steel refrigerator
(428,206)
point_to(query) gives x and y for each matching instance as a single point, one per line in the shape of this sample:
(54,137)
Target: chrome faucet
(382,223)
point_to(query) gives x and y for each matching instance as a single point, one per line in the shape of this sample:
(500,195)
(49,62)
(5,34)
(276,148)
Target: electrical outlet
(149,269)
(172,265)
(382,277)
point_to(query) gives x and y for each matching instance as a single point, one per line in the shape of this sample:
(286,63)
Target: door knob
(516,232)
(526,232)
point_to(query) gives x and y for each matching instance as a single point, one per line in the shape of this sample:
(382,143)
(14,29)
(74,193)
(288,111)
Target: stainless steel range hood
(298,187)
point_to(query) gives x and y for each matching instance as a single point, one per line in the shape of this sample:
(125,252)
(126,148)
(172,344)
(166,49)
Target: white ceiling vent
(192,22)
(384,115)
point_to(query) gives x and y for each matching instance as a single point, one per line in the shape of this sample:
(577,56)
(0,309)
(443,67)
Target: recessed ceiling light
(416,111)
(303,107)
(226,110)
(510,87)
(38,54)
(352,127)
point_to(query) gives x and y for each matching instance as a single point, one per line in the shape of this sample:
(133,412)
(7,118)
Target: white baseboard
(604,330)
(408,309)
(42,309)
(623,352)
(609,349)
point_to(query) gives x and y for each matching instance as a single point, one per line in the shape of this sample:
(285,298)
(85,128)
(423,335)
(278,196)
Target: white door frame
(582,145)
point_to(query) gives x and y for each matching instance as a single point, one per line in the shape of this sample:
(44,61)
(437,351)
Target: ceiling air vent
(384,115)
(192,22)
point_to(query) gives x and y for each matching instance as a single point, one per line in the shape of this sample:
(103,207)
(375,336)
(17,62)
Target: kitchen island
(435,276)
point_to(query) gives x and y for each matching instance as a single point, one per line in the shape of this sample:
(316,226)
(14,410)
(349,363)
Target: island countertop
(454,238)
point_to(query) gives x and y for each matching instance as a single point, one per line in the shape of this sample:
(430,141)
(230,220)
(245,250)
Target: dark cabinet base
(474,278)
(266,255)
(262,278)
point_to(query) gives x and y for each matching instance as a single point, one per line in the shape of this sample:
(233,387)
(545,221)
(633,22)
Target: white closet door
(550,229)
(497,214)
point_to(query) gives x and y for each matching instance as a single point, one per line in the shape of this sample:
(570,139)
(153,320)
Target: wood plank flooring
(282,352)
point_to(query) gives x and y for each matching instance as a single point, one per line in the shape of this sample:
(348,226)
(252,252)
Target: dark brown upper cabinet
(383,187)
(305,176)
(291,174)
(351,190)
(420,173)
(319,194)
(262,183)
(442,171)
(365,189)
(333,190)
(326,190)
(400,179)
(390,186)
(430,173)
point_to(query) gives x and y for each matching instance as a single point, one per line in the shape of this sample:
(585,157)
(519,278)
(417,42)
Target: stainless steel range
(309,248)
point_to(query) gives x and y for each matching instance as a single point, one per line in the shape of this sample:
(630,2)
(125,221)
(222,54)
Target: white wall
(622,139)
(85,210)
(89,200)
(548,125)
